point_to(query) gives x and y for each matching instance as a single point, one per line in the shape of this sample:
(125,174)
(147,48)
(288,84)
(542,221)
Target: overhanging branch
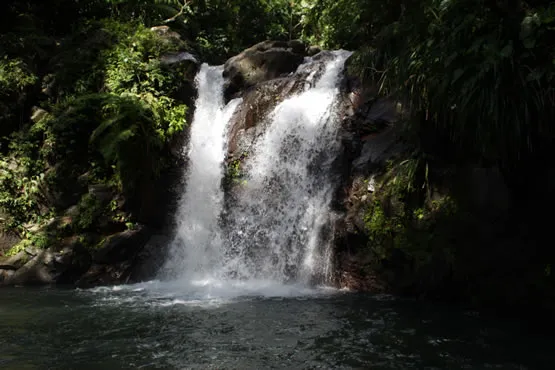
(180,13)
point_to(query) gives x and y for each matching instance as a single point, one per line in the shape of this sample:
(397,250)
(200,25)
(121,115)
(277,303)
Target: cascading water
(277,226)
(198,245)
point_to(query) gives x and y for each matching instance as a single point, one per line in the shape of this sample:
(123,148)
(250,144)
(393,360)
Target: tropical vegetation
(87,99)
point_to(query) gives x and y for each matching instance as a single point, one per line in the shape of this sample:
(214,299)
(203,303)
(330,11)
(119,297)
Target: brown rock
(262,62)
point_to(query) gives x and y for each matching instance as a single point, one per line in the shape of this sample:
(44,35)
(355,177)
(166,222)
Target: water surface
(258,326)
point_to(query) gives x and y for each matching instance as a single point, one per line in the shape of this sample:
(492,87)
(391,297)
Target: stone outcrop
(258,102)
(121,246)
(262,62)
(8,240)
(151,258)
(112,260)
(61,264)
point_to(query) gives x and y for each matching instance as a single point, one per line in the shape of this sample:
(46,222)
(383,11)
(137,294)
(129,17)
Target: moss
(18,248)
(410,234)
(40,240)
(234,173)
(234,169)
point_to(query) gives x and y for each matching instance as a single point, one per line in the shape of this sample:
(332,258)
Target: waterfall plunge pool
(255,323)
(252,325)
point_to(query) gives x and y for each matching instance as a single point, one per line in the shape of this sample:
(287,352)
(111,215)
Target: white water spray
(198,245)
(280,225)
(277,229)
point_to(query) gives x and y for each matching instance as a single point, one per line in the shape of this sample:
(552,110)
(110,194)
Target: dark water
(152,327)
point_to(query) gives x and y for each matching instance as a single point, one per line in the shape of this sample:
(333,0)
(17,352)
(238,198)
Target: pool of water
(208,325)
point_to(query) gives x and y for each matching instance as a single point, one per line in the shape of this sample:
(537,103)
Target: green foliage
(221,28)
(14,76)
(331,22)
(131,123)
(19,247)
(422,231)
(150,11)
(89,209)
(38,240)
(113,113)
(130,226)
(16,80)
(481,73)
(234,169)
(20,194)
(139,113)
(133,64)
(234,173)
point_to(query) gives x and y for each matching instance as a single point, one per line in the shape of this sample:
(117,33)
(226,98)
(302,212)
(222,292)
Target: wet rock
(71,262)
(377,149)
(55,265)
(358,276)
(121,246)
(262,62)
(150,259)
(187,65)
(313,50)
(371,116)
(100,275)
(257,103)
(5,274)
(179,57)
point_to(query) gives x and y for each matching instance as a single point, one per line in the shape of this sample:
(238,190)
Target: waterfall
(277,226)
(197,246)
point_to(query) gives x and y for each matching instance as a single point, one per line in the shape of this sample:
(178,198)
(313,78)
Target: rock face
(262,62)
(439,239)
(56,265)
(150,259)
(371,137)
(121,246)
(7,240)
(258,102)
(111,261)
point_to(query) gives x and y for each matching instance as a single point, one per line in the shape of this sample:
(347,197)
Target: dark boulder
(313,50)
(258,103)
(120,247)
(101,275)
(113,259)
(61,264)
(151,258)
(261,62)
(14,262)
